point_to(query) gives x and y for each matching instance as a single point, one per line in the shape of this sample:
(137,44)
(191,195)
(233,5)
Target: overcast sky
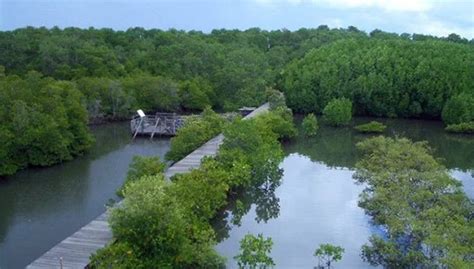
(439,18)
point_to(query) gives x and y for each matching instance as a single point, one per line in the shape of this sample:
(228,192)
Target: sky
(439,18)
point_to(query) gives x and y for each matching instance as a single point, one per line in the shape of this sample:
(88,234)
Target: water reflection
(261,196)
(318,204)
(317,200)
(336,146)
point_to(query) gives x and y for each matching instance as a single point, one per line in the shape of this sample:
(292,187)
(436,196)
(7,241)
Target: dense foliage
(383,76)
(118,72)
(154,230)
(195,132)
(254,252)
(310,125)
(338,112)
(196,94)
(168,224)
(276,99)
(328,254)
(371,127)
(465,127)
(459,109)
(280,121)
(426,215)
(43,122)
(142,166)
(108,98)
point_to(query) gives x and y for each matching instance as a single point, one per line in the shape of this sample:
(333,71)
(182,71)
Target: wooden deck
(74,251)
(158,124)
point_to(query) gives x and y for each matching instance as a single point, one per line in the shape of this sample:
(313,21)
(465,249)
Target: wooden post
(156,125)
(174,124)
(137,128)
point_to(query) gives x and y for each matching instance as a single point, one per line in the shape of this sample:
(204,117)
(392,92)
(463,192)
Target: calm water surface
(41,207)
(317,199)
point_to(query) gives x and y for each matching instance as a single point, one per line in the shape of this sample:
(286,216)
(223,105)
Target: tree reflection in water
(261,194)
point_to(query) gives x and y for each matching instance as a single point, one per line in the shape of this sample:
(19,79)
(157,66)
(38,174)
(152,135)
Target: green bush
(195,132)
(465,127)
(118,255)
(338,112)
(158,229)
(203,191)
(327,254)
(371,127)
(253,144)
(279,121)
(254,252)
(310,125)
(276,99)
(459,109)
(142,166)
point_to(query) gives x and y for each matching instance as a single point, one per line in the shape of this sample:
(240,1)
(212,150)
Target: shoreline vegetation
(111,74)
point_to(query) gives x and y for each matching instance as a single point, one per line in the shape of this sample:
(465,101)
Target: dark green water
(317,199)
(41,207)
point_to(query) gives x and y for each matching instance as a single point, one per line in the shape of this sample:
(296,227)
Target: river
(317,199)
(40,207)
(315,203)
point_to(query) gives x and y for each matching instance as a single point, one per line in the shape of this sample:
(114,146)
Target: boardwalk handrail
(160,123)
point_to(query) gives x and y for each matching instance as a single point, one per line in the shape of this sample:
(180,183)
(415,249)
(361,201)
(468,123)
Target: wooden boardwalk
(74,251)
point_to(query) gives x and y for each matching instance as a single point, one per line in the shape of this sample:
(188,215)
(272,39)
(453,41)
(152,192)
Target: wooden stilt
(154,129)
(174,124)
(137,128)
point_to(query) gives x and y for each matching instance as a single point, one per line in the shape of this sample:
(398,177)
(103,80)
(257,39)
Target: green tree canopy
(310,125)
(424,211)
(338,112)
(43,122)
(459,109)
(327,254)
(254,252)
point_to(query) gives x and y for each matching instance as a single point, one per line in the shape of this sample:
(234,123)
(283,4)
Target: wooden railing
(160,123)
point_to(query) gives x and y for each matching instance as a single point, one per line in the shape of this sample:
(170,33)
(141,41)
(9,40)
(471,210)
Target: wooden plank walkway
(74,251)
(193,160)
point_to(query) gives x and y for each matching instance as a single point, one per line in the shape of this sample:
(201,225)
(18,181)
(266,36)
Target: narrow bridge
(74,251)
